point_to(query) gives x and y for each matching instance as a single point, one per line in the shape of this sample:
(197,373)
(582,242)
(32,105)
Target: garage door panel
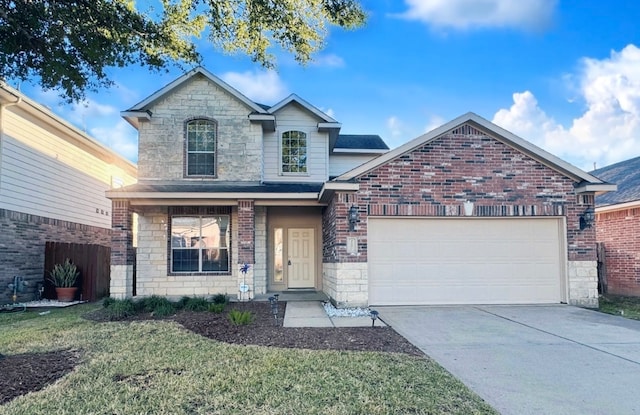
(464,261)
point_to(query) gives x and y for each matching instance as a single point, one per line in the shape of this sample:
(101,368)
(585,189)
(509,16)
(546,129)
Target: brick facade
(619,231)
(22,245)
(436,179)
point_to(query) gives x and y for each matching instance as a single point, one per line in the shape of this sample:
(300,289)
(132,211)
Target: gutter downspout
(2,107)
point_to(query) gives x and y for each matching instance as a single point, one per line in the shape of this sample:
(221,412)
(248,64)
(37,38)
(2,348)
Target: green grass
(157,367)
(628,307)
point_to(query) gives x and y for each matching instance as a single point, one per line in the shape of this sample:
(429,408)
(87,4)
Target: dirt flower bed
(26,373)
(263,331)
(30,372)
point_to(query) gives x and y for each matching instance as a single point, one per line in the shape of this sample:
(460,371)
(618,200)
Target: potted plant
(63,277)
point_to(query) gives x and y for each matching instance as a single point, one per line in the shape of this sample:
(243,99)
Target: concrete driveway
(532,359)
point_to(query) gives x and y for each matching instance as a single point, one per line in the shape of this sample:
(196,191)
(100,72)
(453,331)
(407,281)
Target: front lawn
(628,307)
(159,367)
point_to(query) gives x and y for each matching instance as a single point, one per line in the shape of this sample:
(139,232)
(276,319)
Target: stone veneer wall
(162,138)
(22,245)
(153,276)
(464,165)
(619,231)
(346,284)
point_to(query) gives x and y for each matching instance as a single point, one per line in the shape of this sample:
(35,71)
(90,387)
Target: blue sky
(564,75)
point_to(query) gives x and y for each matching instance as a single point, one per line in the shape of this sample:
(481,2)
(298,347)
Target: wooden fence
(602,268)
(93,262)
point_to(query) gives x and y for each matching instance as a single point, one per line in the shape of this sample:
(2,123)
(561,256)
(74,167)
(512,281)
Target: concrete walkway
(312,314)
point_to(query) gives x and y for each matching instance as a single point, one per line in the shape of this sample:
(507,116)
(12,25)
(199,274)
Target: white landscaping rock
(345,312)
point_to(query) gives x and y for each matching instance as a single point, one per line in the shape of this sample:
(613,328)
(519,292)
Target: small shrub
(217,308)
(107,301)
(121,309)
(182,302)
(196,304)
(220,299)
(240,318)
(151,304)
(164,309)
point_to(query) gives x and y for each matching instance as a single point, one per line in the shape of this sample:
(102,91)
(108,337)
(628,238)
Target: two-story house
(467,213)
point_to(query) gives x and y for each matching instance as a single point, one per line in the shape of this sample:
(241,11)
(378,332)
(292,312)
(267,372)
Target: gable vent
(466,129)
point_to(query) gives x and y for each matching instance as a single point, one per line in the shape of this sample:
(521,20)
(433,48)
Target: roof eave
(268,121)
(134,117)
(618,206)
(329,189)
(597,188)
(120,194)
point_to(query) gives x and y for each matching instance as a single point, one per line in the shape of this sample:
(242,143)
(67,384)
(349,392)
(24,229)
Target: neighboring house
(618,226)
(53,179)
(467,213)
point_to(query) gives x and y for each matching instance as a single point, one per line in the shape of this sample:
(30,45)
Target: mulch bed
(31,372)
(263,331)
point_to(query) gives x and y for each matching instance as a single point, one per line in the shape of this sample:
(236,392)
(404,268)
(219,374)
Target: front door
(301,258)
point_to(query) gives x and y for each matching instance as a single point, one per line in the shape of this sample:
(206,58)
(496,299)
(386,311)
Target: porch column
(246,249)
(122,255)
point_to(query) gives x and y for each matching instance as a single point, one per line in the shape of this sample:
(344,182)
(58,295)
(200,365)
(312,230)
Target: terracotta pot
(66,294)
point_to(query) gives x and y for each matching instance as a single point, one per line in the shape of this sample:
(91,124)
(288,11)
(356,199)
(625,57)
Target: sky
(562,74)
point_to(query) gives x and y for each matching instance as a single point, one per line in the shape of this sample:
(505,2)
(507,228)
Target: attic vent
(466,129)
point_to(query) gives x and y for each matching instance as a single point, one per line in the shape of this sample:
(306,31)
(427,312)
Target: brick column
(122,255)
(246,246)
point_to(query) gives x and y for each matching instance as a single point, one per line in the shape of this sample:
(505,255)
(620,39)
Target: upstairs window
(201,146)
(294,152)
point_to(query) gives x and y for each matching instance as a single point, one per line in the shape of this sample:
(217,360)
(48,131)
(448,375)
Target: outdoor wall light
(374,317)
(353,218)
(587,218)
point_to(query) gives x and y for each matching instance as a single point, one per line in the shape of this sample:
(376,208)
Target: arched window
(294,152)
(200,148)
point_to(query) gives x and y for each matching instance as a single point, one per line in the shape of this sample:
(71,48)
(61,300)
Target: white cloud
(259,86)
(120,137)
(330,60)
(79,113)
(329,111)
(609,129)
(465,14)
(435,121)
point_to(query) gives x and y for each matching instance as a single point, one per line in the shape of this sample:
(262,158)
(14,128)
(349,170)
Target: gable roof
(625,174)
(585,181)
(312,109)
(360,143)
(141,109)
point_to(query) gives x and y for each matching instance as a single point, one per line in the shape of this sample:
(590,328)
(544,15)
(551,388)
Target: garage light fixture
(353,218)
(587,218)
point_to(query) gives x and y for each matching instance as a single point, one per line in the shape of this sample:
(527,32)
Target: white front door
(301,258)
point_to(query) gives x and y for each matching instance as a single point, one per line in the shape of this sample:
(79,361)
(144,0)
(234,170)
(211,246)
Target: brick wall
(22,244)
(437,178)
(246,231)
(620,233)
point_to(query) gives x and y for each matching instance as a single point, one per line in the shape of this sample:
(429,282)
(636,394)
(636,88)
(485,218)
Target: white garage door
(465,261)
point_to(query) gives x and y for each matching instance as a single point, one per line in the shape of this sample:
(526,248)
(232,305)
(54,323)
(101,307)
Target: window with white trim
(201,143)
(200,244)
(294,152)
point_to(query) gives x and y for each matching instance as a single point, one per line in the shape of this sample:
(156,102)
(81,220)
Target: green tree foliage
(70,44)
